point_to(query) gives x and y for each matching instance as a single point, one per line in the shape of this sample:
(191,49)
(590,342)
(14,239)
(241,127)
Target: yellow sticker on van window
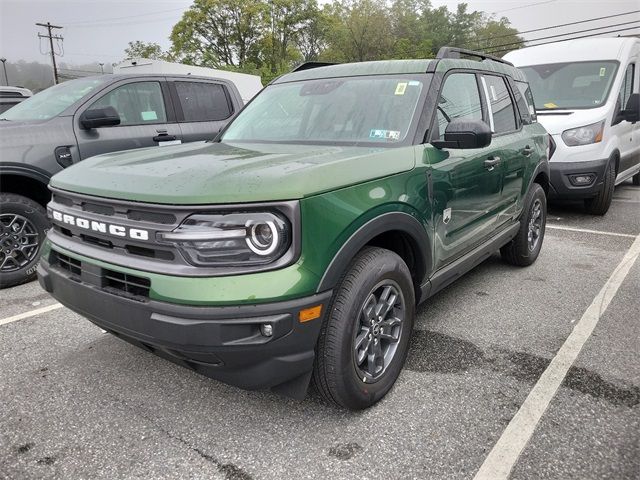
(401,88)
(603,71)
(550,105)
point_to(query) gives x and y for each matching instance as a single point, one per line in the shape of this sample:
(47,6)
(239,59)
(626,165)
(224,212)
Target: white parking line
(624,200)
(515,437)
(586,230)
(30,313)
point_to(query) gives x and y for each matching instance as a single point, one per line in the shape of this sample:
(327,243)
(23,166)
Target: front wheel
(524,249)
(364,340)
(599,205)
(23,226)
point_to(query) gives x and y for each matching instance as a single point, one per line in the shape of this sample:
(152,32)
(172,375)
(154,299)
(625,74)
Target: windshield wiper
(5,119)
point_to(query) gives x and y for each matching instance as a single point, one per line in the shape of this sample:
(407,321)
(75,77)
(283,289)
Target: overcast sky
(99,30)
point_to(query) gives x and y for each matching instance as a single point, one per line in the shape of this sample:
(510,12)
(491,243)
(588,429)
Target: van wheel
(524,249)
(599,205)
(636,179)
(23,226)
(364,340)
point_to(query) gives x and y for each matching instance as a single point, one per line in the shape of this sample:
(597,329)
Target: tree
(491,34)
(219,33)
(140,49)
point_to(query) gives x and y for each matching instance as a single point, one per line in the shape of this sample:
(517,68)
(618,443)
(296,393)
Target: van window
(459,98)
(501,106)
(627,86)
(202,102)
(136,103)
(571,84)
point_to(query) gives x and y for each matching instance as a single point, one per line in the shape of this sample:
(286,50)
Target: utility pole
(50,36)
(4,67)
(101,67)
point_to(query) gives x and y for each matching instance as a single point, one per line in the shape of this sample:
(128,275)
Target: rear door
(628,134)
(467,184)
(203,107)
(147,118)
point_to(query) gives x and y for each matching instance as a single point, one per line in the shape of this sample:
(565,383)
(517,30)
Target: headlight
(584,135)
(231,239)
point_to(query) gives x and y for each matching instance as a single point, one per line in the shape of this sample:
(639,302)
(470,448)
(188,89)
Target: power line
(563,34)
(50,36)
(104,20)
(561,25)
(493,52)
(525,6)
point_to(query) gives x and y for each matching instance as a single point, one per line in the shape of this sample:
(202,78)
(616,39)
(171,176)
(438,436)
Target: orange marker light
(310,313)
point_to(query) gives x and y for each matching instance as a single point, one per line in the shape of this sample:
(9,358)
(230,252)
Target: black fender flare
(542,167)
(29,171)
(386,222)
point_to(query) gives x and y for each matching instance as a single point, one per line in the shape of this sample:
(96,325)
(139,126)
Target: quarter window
(500,105)
(136,103)
(459,98)
(203,102)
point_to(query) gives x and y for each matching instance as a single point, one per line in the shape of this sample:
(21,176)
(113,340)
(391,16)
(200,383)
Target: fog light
(582,179)
(266,329)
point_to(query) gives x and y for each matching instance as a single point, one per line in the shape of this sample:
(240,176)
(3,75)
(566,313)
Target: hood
(212,173)
(557,121)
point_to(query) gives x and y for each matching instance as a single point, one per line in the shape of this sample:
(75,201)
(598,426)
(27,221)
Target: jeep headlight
(584,135)
(231,239)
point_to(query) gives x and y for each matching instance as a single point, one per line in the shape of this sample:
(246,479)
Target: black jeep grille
(116,283)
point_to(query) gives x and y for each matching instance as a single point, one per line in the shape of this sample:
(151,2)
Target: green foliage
(140,49)
(269,37)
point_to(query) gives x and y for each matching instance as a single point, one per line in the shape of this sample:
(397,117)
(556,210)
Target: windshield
(570,85)
(52,101)
(339,111)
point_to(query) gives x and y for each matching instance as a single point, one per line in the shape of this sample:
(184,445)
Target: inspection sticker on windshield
(401,88)
(384,134)
(150,115)
(603,71)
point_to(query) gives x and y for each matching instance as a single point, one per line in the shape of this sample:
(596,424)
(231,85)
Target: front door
(466,184)
(145,119)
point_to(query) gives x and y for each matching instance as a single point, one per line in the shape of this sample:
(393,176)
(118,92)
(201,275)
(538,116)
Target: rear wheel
(524,249)
(364,340)
(599,205)
(23,226)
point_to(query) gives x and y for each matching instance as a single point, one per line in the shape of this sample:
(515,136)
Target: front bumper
(222,342)
(563,189)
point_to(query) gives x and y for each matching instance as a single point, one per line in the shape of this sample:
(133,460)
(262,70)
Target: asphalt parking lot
(77,403)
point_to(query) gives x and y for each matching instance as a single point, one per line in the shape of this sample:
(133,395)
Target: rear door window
(136,103)
(203,102)
(501,108)
(627,86)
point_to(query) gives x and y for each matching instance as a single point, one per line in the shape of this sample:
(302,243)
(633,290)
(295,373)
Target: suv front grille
(116,283)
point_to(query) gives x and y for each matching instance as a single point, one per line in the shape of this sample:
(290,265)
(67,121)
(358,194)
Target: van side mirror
(461,133)
(99,117)
(631,112)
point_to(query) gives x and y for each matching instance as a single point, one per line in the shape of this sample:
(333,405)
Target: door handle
(526,151)
(491,162)
(163,137)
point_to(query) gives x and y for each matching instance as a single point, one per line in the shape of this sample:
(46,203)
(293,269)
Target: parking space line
(507,450)
(624,200)
(30,313)
(586,230)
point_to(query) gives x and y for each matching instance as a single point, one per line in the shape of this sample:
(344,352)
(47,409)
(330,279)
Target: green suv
(298,244)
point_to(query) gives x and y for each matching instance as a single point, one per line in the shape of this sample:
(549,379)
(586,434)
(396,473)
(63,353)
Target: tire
(340,379)
(523,250)
(599,205)
(636,179)
(23,226)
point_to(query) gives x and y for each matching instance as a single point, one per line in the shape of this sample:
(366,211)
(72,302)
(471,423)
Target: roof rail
(454,52)
(310,65)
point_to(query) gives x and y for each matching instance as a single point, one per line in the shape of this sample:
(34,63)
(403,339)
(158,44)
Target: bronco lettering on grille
(101,227)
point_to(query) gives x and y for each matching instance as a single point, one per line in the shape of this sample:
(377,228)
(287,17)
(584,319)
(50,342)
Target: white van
(586,96)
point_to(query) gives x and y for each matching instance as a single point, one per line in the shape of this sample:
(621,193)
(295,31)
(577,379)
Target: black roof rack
(310,65)
(453,52)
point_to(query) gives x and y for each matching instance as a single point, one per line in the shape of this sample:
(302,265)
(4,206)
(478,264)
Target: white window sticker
(150,115)
(494,97)
(401,88)
(603,71)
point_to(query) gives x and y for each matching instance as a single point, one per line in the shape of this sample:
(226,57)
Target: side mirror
(462,134)
(631,112)
(99,117)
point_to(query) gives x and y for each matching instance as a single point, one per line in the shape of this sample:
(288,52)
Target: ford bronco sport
(299,243)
